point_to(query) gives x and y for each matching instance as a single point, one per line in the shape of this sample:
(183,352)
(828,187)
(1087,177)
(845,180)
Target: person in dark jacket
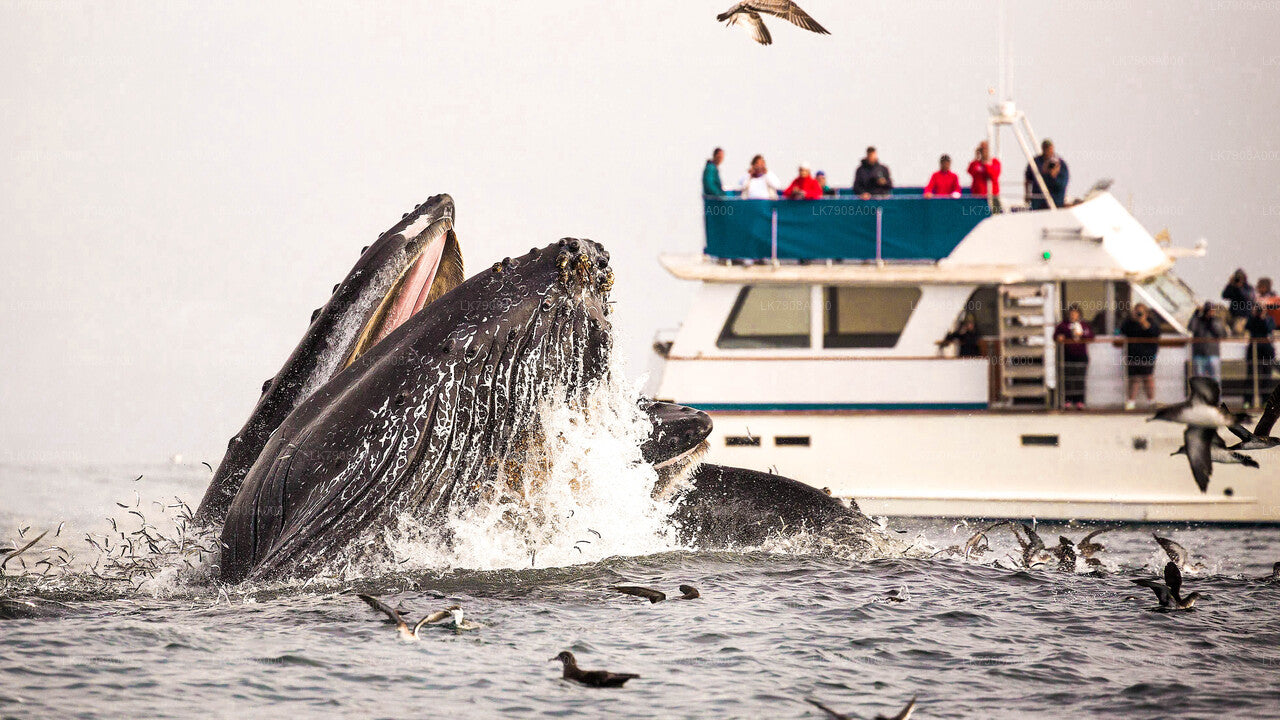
(1240,299)
(1261,354)
(966,336)
(1054,171)
(1073,334)
(1207,329)
(711,185)
(871,178)
(1142,334)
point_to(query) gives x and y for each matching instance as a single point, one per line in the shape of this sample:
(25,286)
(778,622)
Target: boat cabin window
(860,316)
(1171,294)
(768,316)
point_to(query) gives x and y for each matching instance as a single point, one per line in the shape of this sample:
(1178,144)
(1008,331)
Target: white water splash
(587,496)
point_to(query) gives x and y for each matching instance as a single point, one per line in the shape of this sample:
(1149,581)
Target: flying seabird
(1260,438)
(655,596)
(904,714)
(1169,592)
(747,15)
(593,678)
(1202,408)
(1203,447)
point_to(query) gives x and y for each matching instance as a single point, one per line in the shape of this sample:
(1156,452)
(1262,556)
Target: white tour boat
(813,344)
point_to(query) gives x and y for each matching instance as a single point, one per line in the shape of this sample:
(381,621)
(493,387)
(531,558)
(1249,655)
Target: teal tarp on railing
(911,228)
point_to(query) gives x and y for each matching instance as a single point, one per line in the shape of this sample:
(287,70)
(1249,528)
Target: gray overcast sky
(183,184)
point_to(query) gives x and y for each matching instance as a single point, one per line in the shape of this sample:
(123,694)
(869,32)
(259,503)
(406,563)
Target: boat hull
(1105,466)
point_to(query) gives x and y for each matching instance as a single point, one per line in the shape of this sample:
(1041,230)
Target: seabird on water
(1170,591)
(453,614)
(593,678)
(1033,550)
(1088,548)
(904,714)
(656,596)
(1066,554)
(747,15)
(1275,570)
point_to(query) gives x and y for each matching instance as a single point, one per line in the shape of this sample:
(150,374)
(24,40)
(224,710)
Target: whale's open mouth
(435,270)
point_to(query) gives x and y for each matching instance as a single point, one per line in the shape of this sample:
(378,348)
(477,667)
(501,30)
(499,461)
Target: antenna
(1003,52)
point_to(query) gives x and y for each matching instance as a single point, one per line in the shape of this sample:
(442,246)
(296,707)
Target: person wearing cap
(1054,171)
(872,179)
(821,177)
(804,187)
(711,185)
(943,183)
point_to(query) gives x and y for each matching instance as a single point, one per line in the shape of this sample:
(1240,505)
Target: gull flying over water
(747,15)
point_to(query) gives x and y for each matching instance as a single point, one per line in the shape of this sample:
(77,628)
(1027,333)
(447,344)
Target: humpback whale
(417,393)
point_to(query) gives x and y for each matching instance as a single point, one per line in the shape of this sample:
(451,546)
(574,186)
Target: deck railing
(902,227)
(1246,375)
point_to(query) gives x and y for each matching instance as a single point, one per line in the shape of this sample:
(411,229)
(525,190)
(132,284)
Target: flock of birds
(1204,414)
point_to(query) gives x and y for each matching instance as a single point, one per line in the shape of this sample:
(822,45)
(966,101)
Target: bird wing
(1199,444)
(392,614)
(1162,592)
(1173,578)
(904,715)
(649,594)
(435,617)
(1245,460)
(790,12)
(830,713)
(1091,536)
(1269,413)
(1034,538)
(1205,390)
(1176,552)
(750,21)
(690,592)
(1241,432)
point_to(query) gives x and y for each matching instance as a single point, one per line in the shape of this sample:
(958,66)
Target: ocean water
(970,638)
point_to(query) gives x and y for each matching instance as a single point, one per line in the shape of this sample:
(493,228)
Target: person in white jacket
(759,183)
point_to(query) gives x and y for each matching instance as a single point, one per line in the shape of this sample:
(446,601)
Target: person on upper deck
(943,183)
(1054,171)
(871,178)
(805,186)
(759,183)
(1240,298)
(1207,329)
(821,177)
(985,171)
(711,185)
(1073,334)
(1142,333)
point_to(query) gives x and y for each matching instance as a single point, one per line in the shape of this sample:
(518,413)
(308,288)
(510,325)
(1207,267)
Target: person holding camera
(1240,298)
(1142,333)
(759,183)
(1054,171)
(985,171)
(1073,335)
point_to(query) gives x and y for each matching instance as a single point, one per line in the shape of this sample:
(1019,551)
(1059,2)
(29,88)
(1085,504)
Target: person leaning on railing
(872,179)
(1207,329)
(1240,298)
(1073,334)
(943,183)
(1261,354)
(1142,335)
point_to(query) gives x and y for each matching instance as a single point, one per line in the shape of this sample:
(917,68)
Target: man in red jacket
(805,186)
(985,171)
(944,183)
